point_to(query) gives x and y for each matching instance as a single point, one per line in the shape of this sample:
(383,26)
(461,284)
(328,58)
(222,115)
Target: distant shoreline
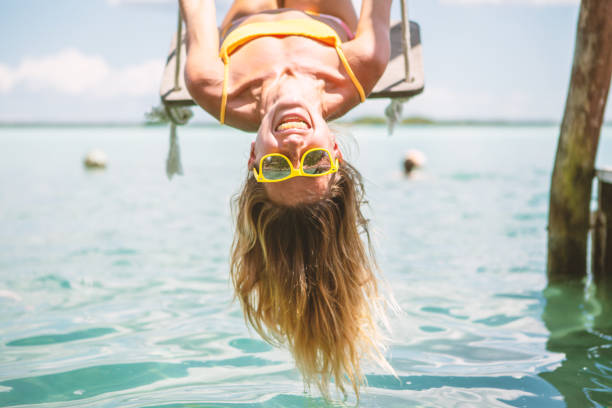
(368,120)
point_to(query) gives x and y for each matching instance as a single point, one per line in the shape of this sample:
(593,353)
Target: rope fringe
(173,162)
(393,112)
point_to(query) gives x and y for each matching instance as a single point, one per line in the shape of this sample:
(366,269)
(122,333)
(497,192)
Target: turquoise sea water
(114,286)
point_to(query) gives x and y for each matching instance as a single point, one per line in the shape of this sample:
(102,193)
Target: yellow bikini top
(309,28)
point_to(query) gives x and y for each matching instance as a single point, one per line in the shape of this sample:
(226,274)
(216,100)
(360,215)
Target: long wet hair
(305,276)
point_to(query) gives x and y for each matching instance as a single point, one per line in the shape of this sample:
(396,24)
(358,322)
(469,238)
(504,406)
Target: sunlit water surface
(114,287)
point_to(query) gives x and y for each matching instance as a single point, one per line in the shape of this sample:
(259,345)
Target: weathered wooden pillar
(601,261)
(570,194)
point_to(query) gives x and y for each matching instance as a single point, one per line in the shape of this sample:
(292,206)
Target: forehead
(298,190)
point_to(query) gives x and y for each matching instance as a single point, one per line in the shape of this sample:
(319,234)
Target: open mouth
(292,123)
(292,117)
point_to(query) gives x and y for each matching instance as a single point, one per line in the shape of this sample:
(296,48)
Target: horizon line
(364,120)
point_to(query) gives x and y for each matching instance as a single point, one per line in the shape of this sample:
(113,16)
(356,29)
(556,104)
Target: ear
(252,156)
(337,152)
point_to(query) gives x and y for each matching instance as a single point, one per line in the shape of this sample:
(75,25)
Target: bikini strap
(351,74)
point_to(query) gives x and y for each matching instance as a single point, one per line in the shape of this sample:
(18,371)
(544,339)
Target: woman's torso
(263,59)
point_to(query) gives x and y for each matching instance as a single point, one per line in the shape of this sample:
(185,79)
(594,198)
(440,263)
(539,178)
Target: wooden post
(601,261)
(570,194)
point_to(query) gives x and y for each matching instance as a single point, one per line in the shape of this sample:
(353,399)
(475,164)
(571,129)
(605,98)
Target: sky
(102,60)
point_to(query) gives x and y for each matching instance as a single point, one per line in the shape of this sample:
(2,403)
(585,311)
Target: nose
(292,146)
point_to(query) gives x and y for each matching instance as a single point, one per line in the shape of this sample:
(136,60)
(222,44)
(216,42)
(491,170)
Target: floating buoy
(413,160)
(95,159)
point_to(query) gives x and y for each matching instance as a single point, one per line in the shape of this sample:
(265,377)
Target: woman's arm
(369,52)
(203,67)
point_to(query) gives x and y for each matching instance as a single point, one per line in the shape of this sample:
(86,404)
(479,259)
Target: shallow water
(114,285)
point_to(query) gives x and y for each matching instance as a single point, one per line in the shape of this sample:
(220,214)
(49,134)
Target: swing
(403,79)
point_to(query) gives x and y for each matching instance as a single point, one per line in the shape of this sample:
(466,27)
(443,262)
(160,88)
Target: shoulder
(368,59)
(206,89)
(205,85)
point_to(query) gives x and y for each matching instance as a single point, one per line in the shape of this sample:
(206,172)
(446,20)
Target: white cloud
(515,2)
(69,71)
(134,80)
(7,79)
(75,73)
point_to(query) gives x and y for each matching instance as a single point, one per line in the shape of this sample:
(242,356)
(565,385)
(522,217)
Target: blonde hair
(306,279)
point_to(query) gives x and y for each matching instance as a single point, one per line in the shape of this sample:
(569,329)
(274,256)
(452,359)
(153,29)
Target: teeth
(292,124)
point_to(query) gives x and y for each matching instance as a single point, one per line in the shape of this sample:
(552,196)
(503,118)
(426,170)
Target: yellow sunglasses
(275,167)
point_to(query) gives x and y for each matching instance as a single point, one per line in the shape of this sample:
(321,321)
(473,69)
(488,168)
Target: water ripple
(116,292)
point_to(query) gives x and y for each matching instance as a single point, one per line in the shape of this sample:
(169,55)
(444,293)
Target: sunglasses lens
(317,162)
(275,168)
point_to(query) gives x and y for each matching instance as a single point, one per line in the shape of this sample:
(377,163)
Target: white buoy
(413,160)
(95,159)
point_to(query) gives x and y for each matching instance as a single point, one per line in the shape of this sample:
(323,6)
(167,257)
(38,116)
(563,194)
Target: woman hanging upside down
(301,262)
